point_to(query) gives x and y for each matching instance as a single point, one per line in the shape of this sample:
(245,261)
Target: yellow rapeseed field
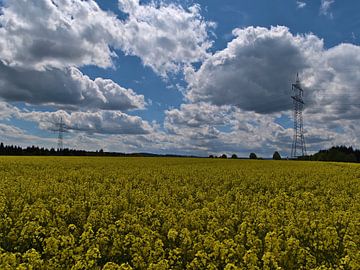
(177,213)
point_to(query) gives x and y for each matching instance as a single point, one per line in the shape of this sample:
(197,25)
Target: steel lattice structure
(298,146)
(60,128)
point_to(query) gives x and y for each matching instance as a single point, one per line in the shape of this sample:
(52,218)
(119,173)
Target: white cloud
(255,71)
(11,135)
(67,88)
(45,34)
(257,68)
(44,42)
(334,84)
(213,129)
(56,33)
(193,129)
(100,122)
(325,7)
(196,115)
(236,94)
(164,36)
(7,111)
(300,4)
(229,130)
(8,129)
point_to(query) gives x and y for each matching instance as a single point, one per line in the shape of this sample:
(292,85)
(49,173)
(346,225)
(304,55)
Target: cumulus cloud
(231,130)
(7,111)
(234,97)
(255,71)
(164,36)
(43,44)
(196,115)
(55,33)
(12,135)
(334,84)
(67,88)
(199,129)
(212,129)
(100,122)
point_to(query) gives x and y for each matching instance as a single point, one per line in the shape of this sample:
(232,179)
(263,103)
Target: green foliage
(276,156)
(337,154)
(170,213)
(252,156)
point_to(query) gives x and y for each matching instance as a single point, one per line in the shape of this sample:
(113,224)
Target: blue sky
(182,77)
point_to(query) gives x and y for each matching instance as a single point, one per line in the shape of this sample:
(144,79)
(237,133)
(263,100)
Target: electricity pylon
(298,148)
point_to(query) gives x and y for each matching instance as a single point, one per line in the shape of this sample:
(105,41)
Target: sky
(179,77)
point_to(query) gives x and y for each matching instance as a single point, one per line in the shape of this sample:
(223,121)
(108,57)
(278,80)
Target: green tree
(252,156)
(276,156)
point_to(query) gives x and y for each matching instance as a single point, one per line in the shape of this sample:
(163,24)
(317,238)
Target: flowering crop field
(178,213)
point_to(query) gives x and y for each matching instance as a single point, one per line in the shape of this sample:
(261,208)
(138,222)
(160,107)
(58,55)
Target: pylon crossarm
(297,99)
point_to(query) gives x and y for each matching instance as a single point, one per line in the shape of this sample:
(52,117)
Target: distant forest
(13,150)
(336,153)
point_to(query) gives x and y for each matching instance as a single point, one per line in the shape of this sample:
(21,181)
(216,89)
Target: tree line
(276,156)
(336,154)
(14,150)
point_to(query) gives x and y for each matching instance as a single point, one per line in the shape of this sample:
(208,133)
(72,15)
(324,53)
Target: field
(159,213)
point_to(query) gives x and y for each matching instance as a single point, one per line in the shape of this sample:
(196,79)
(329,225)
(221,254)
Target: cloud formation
(54,33)
(254,74)
(196,115)
(44,43)
(7,111)
(100,122)
(67,88)
(231,130)
(334,84)
(164,36)
(17,136)
(213,129)
(255,71)
(234,99)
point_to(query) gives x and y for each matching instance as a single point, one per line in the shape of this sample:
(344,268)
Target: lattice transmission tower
(60,128)
(298,148)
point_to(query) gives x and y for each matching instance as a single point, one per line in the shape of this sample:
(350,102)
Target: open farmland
(159,213)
